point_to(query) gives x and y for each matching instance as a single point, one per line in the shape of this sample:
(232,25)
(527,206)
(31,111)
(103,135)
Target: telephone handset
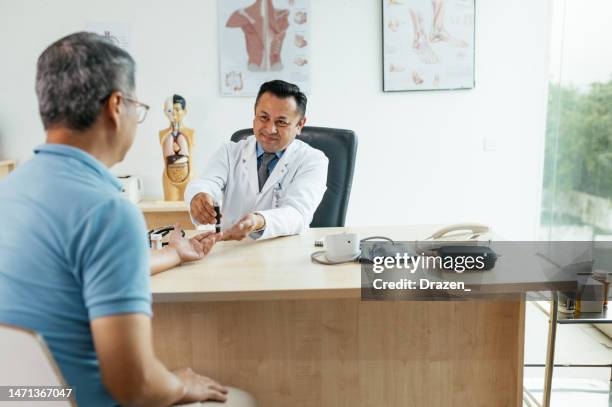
(461,231)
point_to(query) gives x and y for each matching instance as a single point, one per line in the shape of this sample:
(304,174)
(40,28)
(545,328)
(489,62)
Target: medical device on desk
(346,247)
(157,235)
(341,248)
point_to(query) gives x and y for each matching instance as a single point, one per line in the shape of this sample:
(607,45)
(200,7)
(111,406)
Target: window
(577,189)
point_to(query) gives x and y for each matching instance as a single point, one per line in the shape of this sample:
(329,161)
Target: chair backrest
(25,360)
(340,147)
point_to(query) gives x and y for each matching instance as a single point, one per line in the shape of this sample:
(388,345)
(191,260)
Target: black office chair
(340,147)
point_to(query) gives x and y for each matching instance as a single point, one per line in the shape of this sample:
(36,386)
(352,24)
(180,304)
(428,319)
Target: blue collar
(81,156)
(259,150)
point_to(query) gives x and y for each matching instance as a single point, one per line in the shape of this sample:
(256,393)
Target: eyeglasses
(141,108)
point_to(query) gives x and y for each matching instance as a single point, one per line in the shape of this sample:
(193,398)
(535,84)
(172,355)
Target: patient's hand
(200,388)
(194,248)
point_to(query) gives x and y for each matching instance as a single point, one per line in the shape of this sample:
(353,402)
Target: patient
(74,258)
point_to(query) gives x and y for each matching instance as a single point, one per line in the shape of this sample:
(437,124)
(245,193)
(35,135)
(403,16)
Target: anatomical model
(264,29)
(176,142)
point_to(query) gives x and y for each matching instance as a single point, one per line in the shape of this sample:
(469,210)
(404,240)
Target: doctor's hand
(248,224)
(202,209)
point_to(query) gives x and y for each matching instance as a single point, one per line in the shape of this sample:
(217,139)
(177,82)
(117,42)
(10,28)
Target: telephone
(460,231)
(459,241)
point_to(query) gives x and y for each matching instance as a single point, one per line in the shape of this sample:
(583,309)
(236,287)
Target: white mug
(341,247)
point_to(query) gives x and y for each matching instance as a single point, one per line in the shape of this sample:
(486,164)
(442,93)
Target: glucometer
(217,218)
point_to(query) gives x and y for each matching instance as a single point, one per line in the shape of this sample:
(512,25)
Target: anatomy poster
(428,44)
(261,40)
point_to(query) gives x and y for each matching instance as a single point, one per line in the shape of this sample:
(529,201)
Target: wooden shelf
(157,205)
(160,213)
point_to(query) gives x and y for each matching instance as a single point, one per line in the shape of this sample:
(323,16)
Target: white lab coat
(288,199)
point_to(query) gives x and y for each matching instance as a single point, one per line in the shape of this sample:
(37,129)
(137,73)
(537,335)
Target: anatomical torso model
(264,29)
(177,143)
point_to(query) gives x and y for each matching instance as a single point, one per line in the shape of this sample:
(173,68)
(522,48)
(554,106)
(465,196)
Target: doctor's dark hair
(179,99)
(76,74)
(283,90)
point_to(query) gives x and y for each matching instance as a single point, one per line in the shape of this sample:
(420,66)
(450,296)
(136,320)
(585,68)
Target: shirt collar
(82,156)
(259,149)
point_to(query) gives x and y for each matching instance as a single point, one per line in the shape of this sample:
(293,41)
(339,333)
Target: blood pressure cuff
(483,254)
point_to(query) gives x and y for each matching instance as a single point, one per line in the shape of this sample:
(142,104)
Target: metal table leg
(550,350)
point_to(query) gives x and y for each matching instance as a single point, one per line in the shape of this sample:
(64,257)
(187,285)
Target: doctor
(269,184)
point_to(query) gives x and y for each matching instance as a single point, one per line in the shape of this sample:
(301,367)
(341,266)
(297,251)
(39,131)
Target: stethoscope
(163,231)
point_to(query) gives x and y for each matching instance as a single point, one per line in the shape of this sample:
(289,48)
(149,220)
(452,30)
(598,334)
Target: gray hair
(76,74)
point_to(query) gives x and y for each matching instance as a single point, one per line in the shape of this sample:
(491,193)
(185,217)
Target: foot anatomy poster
(428,44)
(261,40)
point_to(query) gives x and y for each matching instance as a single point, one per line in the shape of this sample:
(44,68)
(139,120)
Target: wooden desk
(262,317)
(159,213)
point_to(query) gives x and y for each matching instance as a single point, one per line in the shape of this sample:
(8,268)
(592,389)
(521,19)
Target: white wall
(421,156)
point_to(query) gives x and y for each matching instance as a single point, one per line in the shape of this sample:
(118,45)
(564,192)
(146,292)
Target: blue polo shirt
(71,250)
